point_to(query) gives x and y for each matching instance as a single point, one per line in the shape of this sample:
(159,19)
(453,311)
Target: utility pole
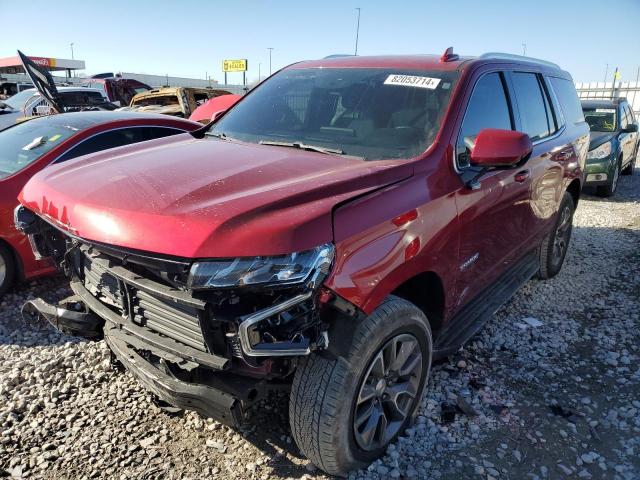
(71,45)
(524,49)
(270,50)
(357,30)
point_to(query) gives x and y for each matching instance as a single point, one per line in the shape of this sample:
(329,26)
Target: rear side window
(117,138)
(535,116)
(488,108)
(568,97)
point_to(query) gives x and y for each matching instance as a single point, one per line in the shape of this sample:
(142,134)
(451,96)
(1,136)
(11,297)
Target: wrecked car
(345,223)
(177,101)
(118,90)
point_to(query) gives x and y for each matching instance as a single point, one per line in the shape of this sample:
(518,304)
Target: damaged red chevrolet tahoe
(345,223)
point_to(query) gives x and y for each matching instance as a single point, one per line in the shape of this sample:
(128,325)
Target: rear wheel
(555,245)
(7,269)
(344,411)
(610,188)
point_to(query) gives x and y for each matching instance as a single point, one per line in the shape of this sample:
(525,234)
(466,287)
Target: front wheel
(345,411)
(555,245)
(7,269)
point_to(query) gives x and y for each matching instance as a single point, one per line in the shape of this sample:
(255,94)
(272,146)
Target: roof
(92,118)
(67,89)
(421,62)
(606,102)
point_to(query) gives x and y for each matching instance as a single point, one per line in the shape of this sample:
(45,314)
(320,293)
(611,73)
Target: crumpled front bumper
(75,316)
(206,400)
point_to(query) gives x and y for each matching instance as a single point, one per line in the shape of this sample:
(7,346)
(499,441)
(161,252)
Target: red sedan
(27,148)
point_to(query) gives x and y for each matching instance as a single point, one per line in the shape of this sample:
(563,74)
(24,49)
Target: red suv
(345,223)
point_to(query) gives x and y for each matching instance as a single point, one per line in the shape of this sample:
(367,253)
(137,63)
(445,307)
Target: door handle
(522,175)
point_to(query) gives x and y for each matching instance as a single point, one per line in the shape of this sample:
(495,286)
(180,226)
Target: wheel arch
(426,291)
(574,189)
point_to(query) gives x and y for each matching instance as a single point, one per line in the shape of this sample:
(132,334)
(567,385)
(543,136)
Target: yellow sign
(234,65)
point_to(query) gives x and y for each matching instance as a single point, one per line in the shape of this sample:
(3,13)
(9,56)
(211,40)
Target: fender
(385,238)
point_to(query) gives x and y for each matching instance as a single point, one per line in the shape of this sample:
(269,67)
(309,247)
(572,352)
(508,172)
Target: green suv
(613,144)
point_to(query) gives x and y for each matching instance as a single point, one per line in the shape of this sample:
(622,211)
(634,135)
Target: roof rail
(339,55)
(520,58)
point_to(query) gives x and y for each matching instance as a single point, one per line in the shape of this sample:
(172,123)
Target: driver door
(491,214)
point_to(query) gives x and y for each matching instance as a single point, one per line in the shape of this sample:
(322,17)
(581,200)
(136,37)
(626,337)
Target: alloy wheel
(563,235)
(387,392)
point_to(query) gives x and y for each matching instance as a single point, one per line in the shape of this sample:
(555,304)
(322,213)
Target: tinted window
(373,113)
(531,105)
(117,138)
(601,119)
(566,93)
(488,108)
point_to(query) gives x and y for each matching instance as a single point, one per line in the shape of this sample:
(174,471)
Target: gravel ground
(549,389)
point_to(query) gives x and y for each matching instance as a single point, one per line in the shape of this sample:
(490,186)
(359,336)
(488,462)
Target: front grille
(168,318)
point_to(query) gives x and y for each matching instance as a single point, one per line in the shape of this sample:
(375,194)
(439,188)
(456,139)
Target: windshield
(18,100)
(371,113)
(27,142)
(601,119)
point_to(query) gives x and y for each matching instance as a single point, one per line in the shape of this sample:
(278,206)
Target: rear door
(550,157)
(492,213)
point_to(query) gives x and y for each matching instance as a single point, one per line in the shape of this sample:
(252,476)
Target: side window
(488,107)
(567,96)
(632,117)
(160,132)
(532,105)
(624,118)
(103,141)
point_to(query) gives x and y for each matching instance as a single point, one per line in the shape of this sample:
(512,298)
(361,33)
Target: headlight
(602,151)
(281,269)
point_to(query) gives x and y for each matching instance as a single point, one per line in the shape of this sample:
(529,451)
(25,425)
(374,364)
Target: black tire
(628,170)
(609,189)
(323,395)
(7,269)
(551,256)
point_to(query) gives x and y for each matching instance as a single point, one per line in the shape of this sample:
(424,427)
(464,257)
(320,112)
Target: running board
(474,315)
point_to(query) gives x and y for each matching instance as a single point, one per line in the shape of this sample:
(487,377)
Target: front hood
(204,198)
(598,138)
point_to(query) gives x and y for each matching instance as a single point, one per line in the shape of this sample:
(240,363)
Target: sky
(191,38)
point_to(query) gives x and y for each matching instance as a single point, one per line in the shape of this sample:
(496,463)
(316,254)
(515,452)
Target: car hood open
(204,198)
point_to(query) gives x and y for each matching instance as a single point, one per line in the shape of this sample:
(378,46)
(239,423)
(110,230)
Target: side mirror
(495,148)
(631,128)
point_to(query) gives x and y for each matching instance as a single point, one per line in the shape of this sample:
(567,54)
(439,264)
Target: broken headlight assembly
(290,269)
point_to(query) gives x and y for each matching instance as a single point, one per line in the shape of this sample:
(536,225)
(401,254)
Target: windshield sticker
(412,81)
(55,137)
(605,110)
(35,143)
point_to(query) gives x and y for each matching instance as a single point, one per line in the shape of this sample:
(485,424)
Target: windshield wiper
(304,146)
(221,135)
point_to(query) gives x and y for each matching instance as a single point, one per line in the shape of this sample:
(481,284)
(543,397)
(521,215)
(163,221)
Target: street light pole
(357,30)
(270,50)
(524,49)
(71,45)
(259,67)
